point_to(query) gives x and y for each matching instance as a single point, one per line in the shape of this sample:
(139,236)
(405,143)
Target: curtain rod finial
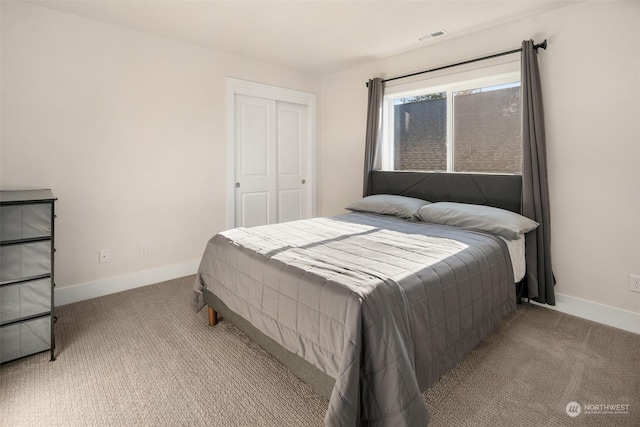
(541,45)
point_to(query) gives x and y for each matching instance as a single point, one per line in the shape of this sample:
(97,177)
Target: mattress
(517,256)
(384,306)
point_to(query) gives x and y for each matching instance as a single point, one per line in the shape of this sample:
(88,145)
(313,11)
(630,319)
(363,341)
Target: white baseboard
(111,285)
(605,314)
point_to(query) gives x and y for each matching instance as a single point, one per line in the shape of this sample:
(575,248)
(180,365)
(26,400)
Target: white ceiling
(314,36)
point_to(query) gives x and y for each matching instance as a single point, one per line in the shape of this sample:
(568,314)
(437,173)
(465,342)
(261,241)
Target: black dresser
(26,273)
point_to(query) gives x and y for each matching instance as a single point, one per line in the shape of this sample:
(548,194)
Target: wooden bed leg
(213,317)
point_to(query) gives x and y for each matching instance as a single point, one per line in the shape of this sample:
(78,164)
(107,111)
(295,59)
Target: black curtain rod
(542,45)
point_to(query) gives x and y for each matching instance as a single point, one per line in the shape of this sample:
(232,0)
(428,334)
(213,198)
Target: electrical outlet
(104,255)
(143,249)
(634,283)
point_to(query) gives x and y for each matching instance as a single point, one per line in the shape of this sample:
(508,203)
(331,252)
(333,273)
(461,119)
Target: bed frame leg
(213,317)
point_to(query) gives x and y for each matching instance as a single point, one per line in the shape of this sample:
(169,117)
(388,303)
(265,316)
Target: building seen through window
(461,128)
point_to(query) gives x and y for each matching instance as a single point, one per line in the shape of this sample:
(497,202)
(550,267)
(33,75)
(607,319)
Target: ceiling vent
(433,35)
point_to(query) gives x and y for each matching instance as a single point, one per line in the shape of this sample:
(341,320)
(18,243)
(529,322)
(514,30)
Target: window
(469,123)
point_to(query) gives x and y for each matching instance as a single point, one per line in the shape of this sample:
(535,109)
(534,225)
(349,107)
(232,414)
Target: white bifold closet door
(270,161)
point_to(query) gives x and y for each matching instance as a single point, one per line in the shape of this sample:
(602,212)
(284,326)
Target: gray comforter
(384,306)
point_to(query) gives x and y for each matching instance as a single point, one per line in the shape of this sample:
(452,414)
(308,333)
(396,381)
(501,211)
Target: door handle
(237,185)
(304,181)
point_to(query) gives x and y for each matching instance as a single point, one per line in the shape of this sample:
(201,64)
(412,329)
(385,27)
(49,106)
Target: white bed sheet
(516,251)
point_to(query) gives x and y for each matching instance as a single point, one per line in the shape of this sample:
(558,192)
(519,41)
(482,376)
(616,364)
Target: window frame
(483,77)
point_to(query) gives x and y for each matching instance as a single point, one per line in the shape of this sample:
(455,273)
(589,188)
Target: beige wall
(128,129)
(591,79)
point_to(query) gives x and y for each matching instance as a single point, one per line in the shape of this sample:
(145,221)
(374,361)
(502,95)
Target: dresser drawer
(25,299)
(25,221)
(25,260)
(23,339)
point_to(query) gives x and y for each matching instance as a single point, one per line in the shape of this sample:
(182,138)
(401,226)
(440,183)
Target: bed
(369,309)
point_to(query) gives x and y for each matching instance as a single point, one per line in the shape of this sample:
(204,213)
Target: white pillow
(501,222)
(388,204)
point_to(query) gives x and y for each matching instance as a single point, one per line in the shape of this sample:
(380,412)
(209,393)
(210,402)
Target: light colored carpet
(142,357)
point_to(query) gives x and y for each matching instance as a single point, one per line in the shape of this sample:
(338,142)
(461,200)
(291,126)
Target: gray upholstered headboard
(501,191)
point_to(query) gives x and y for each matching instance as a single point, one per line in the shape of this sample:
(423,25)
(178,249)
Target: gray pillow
(388,204)
(497,221)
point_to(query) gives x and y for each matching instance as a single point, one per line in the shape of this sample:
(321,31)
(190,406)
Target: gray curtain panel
(539,280)
(374,125)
